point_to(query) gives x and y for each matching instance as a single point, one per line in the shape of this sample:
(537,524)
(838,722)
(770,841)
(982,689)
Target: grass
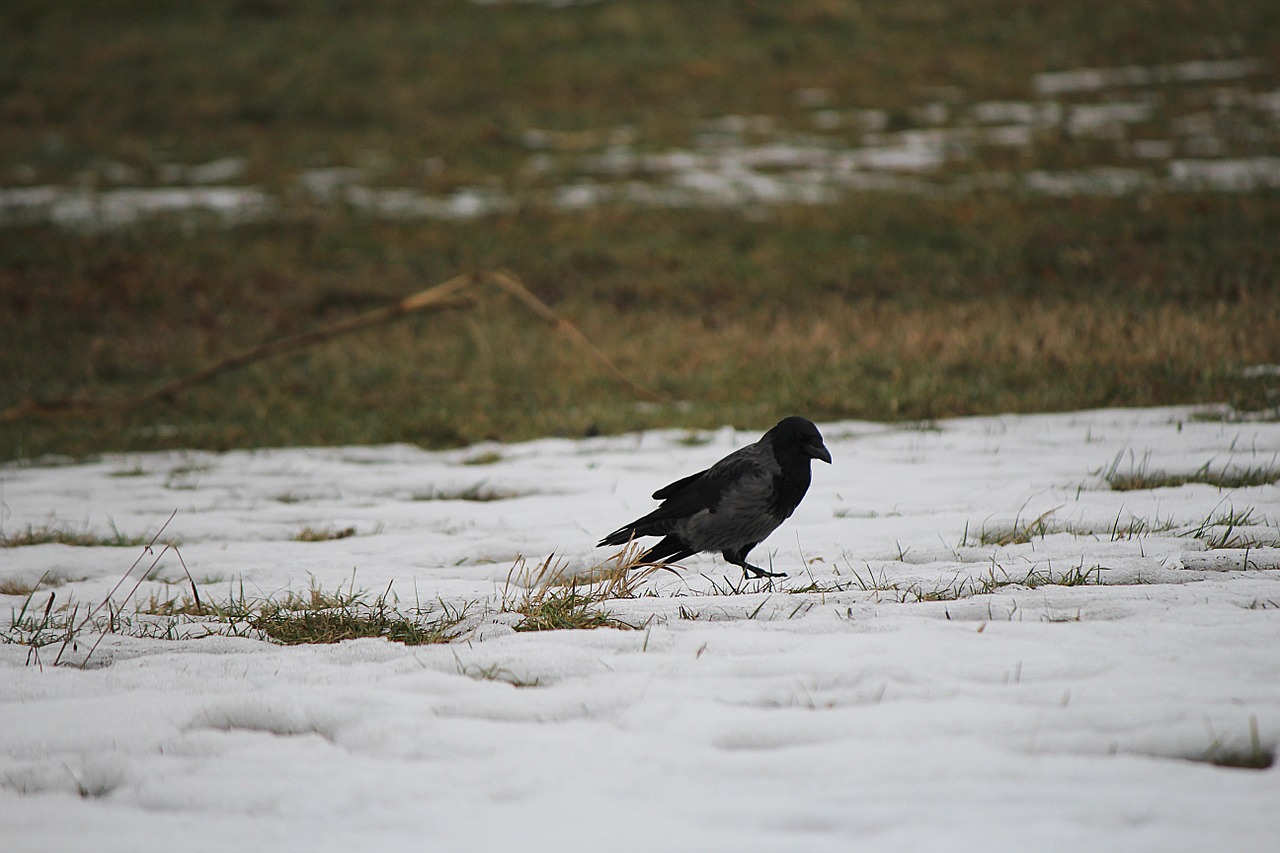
(486,458)
(493,672)
(1136,528)
(404,83)
(323,534)
(996,578)
(551,597)
(545,597)
(314,616)
(352,620)
(17,586)
(293,619)
(36,627)
(562,610)
(744,338)
(1141,476)
(61,534)
(1229,528)
(1018,533)
(881,305)
(1255,756)
(475,493)
(66,624)
(1125,526)
(1226,527)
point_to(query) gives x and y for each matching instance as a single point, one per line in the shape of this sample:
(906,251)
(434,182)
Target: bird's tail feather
(668,550)
(621,536)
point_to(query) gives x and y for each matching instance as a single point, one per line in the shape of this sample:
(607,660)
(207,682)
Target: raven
(734,504)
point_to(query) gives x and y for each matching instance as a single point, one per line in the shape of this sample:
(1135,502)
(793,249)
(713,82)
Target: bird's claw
(757,572)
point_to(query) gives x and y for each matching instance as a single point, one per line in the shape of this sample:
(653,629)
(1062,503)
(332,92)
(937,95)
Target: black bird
(734,504)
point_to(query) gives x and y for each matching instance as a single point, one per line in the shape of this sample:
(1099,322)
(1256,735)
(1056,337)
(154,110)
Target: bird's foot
(749,571)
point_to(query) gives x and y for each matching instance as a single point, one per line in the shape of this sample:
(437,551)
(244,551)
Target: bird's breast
(788,490)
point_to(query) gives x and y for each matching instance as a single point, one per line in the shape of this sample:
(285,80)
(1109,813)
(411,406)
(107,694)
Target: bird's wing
(691,495)
(741,497)
(743,473)
(679,485)
(706,489)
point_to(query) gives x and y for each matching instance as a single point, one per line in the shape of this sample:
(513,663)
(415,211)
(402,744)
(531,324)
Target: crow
(734,504)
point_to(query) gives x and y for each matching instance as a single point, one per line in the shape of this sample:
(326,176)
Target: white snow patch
(112,208)
(827,711)
(467,203)
(1099,181)
(1094,79)
(1234,175)
(1100,119)
(1017,112)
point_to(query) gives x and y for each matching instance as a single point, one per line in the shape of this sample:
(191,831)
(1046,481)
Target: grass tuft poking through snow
(1141,476)
(323,534)
(993,580)
(552,597)
(1018,533)
(1254,756)
(1232,528)
(317,616)
(19,586)
(479,492)
(549,597)
(353,618)
(63,535)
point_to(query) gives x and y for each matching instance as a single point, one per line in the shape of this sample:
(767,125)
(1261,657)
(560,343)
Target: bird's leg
(739,559)
(749,570)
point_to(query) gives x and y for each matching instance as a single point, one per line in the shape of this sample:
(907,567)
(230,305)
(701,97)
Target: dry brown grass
(880,305)
(554,595)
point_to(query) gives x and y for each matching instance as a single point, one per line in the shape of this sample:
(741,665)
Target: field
(897,211)
(266,585)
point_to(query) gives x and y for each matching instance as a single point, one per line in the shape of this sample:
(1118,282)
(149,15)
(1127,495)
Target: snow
(1101,119)
(1042,717)
(1095,79)
(82,207)
(1101,180)
(1232,175)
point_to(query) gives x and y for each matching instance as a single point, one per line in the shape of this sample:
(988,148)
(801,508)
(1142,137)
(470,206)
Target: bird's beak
(818,451)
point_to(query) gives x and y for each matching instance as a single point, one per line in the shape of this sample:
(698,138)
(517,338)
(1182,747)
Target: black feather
(735,503)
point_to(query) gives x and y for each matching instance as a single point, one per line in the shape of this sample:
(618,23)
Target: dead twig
(508,282)
(443,296)
(436,298)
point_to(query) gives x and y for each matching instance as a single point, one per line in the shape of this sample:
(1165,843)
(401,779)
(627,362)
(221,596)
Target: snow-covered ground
(1036,716)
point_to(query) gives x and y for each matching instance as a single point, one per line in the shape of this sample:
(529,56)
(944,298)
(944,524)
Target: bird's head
(803,435)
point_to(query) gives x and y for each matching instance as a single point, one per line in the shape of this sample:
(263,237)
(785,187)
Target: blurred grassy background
(886,304)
